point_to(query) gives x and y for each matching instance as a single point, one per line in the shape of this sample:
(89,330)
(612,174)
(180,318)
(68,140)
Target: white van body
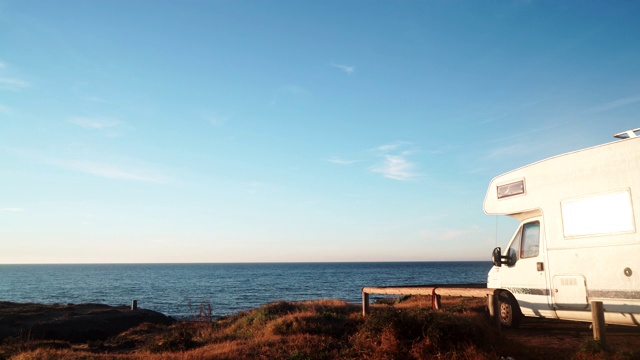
(578,238)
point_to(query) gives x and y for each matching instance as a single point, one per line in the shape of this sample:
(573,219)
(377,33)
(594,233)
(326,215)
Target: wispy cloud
(110,171)
(396,167)
(514,112)
(396,164)
(11,209)
(392,146)
(94,123)
(4,109)
(341,161)
(524,134)
(290,90)
(8,81)
(391,160)
(108,127)
(216,120)
(95,99)
(13,84)
(349,69)
(615,103)
(258,187)
(507,151)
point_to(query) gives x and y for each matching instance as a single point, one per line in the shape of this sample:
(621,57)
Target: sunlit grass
(326,329)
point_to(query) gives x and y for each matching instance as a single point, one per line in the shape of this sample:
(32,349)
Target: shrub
(201,313)
(177,338)
(420,333)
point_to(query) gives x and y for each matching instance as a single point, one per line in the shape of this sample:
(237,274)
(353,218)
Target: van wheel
(510,315)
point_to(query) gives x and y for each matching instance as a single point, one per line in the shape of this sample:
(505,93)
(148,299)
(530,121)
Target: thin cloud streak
(512,150)
(615,104)
(11,209)
(258,187)
(341,161)
(348,69)
(514,112)
(291,90)
(528,133)
(216,121)
(392,146)
(94,123)
(95,99)
(5,109)
(111,171)
(14,84)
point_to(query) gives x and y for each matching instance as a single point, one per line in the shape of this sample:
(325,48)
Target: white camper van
(578,237)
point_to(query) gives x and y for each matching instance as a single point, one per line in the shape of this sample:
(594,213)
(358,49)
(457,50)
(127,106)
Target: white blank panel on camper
(600,214)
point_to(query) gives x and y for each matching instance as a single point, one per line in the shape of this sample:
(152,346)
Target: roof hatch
(627,134)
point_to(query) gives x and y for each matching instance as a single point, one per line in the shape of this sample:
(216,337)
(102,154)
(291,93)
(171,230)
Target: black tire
(510,314)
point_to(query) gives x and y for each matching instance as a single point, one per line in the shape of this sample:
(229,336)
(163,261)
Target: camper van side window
(530,240)
(514,250)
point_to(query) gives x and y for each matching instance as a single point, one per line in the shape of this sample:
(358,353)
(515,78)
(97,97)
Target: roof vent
(627,134)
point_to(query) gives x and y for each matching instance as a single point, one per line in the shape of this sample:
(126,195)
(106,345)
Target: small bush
(201,313)
(176,338)
(593,347)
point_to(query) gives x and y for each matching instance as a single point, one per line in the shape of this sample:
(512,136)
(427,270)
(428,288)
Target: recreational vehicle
(578,237)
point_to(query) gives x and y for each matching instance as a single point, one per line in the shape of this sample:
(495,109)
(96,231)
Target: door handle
(540,266)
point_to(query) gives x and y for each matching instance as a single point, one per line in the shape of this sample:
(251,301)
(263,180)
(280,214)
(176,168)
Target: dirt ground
(547,338)
(554,338)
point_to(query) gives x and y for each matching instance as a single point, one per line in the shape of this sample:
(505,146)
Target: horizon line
(247,262)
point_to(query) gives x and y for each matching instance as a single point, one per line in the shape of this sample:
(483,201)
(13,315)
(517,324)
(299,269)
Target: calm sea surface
(176,289)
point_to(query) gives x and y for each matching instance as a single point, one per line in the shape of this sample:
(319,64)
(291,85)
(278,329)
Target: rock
(72,322)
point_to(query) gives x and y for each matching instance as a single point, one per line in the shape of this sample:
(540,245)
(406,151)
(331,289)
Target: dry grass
(326,329)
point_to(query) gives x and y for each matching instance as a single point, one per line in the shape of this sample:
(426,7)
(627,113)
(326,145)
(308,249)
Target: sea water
(179,289)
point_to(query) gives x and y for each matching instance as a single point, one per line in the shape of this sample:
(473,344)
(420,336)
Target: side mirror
(496,257)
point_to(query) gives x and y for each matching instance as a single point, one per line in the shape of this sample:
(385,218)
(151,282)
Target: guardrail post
(365,303)
(597,316)
(436,302)
(490,306)
(494,310)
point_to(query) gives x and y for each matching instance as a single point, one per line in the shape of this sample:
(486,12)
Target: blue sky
(251,131)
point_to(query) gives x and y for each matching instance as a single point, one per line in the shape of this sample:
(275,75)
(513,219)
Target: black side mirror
(496,257)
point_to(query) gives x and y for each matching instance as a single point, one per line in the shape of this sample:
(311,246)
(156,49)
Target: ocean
(178,289)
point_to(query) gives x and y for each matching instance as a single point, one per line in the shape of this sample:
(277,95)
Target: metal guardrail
(435,291)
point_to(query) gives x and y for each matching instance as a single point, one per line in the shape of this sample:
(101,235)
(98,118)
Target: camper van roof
(532,187)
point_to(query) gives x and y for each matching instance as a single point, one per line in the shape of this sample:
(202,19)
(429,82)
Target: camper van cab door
(525,274)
